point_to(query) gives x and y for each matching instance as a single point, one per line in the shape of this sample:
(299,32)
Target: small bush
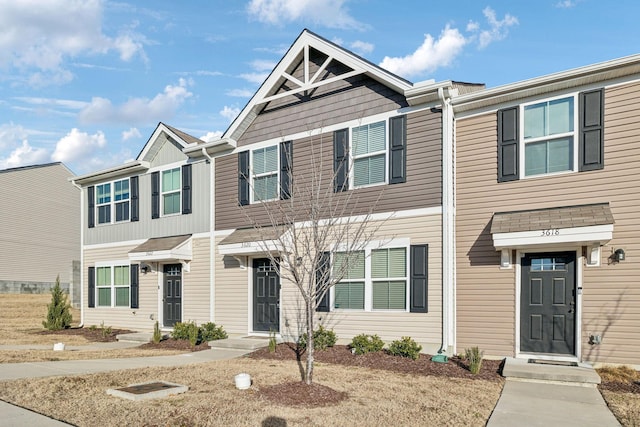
(210,332)
(363,343)
(186,331)
(406,347)
(105,331)
(157,335)
(272,341)
(322,338)
(58,312)
(474,357)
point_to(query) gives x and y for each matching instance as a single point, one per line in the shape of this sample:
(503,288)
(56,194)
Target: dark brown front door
(266,295)
(172,294)
(548,303)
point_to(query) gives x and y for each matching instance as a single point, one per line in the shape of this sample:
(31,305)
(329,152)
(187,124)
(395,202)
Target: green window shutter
(186,189)
(91,209)
(341,160)
(322,277)
(155,195)
(397,149)
(418,280)
(135,194)
(243,178)
(286,167)
(591,134)
(92,287)
(135,286)
(508,144)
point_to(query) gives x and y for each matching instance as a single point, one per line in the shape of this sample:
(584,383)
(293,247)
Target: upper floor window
(112,201)
(171,191)
(264,173)
(369,154)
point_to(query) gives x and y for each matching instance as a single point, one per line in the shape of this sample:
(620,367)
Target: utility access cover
(150,390)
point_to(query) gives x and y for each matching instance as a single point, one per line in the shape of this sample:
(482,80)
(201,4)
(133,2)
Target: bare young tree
(315,218)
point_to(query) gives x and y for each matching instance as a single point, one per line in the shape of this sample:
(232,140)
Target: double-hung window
(121,196)
(112,201)
(389,278)
(171,191)
(113,285)
(264,173)
(349,292)
(369,154)
(548,136)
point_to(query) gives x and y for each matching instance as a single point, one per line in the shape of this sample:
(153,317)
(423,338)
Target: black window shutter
(92,287)
(341,160)
(134,286)
(508,144)
(397,149)
(186,189)
(286,166)
(135,192)
(91,211)
(322,277)
(155,195)
(418,280)
(243,178)
(591,147)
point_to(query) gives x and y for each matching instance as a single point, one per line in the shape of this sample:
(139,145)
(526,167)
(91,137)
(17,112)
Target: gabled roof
(184,140)
(299,53)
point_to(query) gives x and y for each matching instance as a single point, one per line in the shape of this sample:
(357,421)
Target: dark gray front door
(548,303)
(172,294)
(266,296)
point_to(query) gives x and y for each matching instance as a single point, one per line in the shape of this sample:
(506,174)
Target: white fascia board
(246,248)
(126,168)
(427,91)
(525,239)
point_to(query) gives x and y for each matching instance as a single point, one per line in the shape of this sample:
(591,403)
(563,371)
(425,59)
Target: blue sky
(86,82)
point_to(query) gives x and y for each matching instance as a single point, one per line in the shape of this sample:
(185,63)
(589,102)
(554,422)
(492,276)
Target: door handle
(571,307)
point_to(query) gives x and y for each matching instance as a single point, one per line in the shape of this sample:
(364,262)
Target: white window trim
(368,280)
(112,202)
(162,192)
(112,286)
(253,175)
(574,135)
(353,157)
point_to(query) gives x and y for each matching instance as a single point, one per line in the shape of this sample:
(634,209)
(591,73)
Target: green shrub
(58,312)
(157,335)
(361,344)
(272,341)
(105,331)
(210,332)
(406,347)
(322,338)
(186,331)
(474,358)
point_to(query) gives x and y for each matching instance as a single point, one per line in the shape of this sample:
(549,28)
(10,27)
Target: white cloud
(211,136)
(328,13)
(498,28)
(263,65)
(230,113)
(39,36)
(432,54)
(361,48)
(77,145)
(473,26)
(257,78)
(566,4)
(25,155)
(131,133)
(240,93)
(10,134)
(138,110)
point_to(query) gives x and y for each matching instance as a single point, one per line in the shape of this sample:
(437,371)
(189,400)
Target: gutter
(81,252)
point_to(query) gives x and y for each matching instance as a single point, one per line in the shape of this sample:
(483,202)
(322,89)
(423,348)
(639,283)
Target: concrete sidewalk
(548,396)
(14,416)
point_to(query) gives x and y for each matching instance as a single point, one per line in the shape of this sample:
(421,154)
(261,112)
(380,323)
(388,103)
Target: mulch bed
(620,387)
(94,335)
(341,354)
(171,344)
(302,394)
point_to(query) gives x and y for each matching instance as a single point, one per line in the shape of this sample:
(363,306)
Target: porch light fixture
(619,255)
(145,268)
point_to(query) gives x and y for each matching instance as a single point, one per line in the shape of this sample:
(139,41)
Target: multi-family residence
(146,251)
(39,230)
(547,224)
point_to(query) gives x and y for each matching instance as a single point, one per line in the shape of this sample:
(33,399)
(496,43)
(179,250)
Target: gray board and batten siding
(422,189)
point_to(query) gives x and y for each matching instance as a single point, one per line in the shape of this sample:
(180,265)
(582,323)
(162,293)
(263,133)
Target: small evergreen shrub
(58,312)
(363,343)
(105,331)
(210,332)
(157,335)
(272,341)
(406,347)
(474,357)
(186,331)
(322,338)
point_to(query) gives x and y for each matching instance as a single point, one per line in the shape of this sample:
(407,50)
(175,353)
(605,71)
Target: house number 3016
(550,232)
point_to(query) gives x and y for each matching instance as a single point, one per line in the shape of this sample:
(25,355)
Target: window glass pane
(355,269)
(369,170)
(380,295)
(122,297)
(103,276)
(265,188)
(104,297)
(361,172)
(122,211)
(265,160)
(560,155)
(397,262)
(121,275)
(535,158)
(104,214)
(534,120)
(360,137)
(380,263)
(349,295)
(377,137)
(560,116)
(171,203)
(103,193)
(171,180)
(389,295)
(258,161)
(121,190)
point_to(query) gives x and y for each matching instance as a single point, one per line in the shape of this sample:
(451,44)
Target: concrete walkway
(548,395)
(15,416)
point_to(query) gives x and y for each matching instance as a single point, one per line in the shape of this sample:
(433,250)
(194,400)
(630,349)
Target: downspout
(448,226)
(81,253)
(212,246)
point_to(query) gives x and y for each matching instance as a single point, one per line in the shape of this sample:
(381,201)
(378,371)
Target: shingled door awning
(583,224)
(245,241)
(173,248)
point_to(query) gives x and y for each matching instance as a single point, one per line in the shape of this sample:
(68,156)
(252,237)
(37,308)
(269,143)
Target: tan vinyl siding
(232,303)
(39,224)
(195,292)
(486,294)
(422,189)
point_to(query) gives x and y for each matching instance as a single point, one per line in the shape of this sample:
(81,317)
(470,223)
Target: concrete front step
(522,369)
(141,337)
(242,343)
